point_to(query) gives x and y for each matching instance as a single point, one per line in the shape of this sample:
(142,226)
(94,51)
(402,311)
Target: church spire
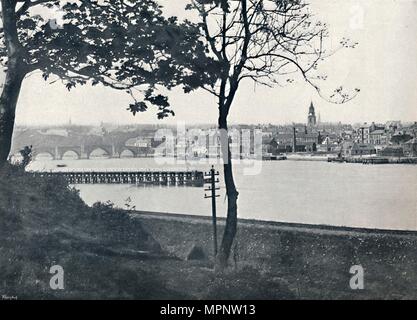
(311,107)
(311,120)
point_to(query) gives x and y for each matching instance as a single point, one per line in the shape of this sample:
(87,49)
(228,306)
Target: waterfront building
(412,130)
(391,151)
(364,132)
(269,147)
(297,141)
(357,149)
(345,148)
(328,145)
(410,148)
(362,149)
(139,142)
(55,132)
(378,137)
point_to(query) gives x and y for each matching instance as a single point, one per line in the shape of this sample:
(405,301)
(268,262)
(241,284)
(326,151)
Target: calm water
(379,196)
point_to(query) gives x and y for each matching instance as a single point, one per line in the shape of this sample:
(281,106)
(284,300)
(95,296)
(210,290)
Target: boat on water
(274,157)
(338,159)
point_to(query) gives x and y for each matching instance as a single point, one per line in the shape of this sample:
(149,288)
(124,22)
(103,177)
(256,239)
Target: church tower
(311,120)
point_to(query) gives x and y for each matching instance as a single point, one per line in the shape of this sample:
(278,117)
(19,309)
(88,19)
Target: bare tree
(270,42)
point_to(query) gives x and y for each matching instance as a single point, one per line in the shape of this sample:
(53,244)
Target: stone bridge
(86,151)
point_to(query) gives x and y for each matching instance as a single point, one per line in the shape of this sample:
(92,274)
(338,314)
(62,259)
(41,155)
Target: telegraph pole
(211,180)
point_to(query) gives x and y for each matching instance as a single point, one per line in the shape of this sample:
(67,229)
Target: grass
(43,222)
(105,253)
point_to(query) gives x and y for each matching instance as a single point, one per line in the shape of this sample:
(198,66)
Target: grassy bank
(312,261)
(105,253)
(43,223)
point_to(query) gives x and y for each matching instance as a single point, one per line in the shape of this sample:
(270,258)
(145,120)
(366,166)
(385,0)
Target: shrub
(247,283)
(43,222)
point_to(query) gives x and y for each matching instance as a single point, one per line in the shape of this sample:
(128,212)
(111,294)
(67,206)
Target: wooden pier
(375,161)
(164,178)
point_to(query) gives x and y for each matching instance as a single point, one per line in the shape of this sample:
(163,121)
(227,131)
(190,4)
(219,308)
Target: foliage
(247,283)
(401,138)
(44,222)
(107,211)
(26,154)
(126,45)
(128,204)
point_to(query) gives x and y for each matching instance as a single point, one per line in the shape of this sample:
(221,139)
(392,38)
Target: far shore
(308,157)
(351,159)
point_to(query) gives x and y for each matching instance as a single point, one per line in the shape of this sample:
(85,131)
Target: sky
(383,66)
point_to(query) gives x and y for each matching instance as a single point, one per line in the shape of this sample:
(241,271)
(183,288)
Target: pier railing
(167,178)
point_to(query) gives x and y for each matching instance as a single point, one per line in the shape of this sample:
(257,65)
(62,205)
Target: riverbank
(353,159)
(313,261)
(375,160)
(307,157)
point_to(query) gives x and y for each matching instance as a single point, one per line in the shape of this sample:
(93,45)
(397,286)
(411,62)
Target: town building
(393,126)
(410,148)
(412,130)
(55,132)
(269,147)
(297,140)
(391,151)
(364,132)
(357,149)
(139,142)
(378,137)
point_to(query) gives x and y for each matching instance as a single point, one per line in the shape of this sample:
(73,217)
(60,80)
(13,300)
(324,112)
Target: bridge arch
(127,153)
(99,152)
(70,154)
(44,155)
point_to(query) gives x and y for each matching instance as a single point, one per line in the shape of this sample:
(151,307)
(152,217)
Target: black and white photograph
(201,150)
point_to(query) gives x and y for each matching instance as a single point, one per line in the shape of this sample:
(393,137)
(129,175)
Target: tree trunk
(8,101)
(232,195)
(16,70)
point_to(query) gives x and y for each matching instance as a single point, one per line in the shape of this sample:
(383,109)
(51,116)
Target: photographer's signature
(6,297)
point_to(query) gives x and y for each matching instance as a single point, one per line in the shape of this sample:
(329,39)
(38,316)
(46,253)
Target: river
(313,192)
